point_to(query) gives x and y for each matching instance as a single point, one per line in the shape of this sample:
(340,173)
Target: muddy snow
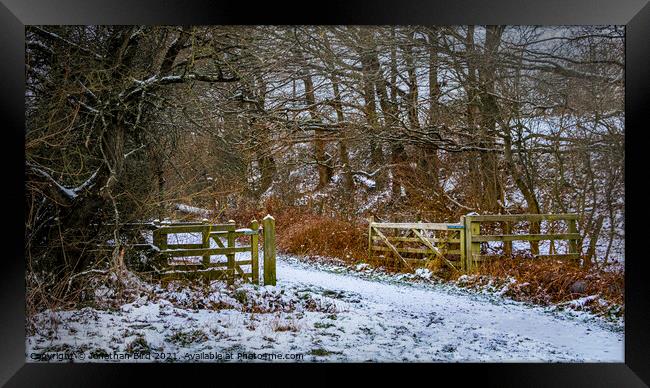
(324,313)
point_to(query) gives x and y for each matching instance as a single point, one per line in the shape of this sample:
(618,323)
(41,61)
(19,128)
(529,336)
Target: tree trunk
(323,165)
(489,113)
(368,76)
(348,181)
(430,162)
(472,112)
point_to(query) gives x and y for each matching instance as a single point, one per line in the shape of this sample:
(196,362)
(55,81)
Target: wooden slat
(463,245)
(402,250)
(201,251)
(558,256)
(415,261)
(231,256)
(414,239)
(524,217)
(415,250)
(416,225)
(138,246)
(455,227)
(205,244)
(209,273)
(255,253)
(195,228)
(191,266)
(525,237)
(180,223)
(197,264)
(184,246)
(246,232)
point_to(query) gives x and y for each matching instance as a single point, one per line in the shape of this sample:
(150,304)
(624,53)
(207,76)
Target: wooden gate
(201,259)
(459,244)
(414,242)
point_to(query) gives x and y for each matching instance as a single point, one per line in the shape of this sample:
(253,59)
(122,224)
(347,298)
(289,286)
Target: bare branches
(54,37)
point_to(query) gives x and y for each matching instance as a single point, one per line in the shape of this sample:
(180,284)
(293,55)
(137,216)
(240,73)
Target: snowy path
(328,316)
(434,323)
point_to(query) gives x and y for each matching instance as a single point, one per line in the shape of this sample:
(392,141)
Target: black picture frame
(634,14)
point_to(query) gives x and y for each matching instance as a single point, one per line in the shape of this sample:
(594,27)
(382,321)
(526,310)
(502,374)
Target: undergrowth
(556,282)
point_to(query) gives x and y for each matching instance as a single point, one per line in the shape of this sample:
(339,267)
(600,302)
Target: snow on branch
(192,210)
(156,80)
(64,194)
(133,151)
(53,36)
(90,182)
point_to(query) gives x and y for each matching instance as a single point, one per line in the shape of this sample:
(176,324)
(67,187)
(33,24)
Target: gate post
(269,250)
(231,256)
(471,248)
(156,233)
(159,238)
(475,230)
(463,250)
(205,241)
(255,227)
(371,219)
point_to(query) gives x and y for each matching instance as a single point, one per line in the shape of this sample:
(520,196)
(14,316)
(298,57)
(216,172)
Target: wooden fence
(459,244)
(475,226)
(174,257)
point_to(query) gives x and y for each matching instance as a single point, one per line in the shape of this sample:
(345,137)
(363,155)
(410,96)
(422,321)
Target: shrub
(555,281)
(309,234)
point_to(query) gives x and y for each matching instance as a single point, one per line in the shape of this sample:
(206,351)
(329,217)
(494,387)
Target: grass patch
(138,346)
(322,352)
(184,338)
(281,326)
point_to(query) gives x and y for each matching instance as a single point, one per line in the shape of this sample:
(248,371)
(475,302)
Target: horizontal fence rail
(459,244)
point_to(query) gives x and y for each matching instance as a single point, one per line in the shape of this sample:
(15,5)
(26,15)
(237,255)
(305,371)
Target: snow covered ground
(321,313)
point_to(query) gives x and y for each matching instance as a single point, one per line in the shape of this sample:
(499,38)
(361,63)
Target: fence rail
(459,244)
